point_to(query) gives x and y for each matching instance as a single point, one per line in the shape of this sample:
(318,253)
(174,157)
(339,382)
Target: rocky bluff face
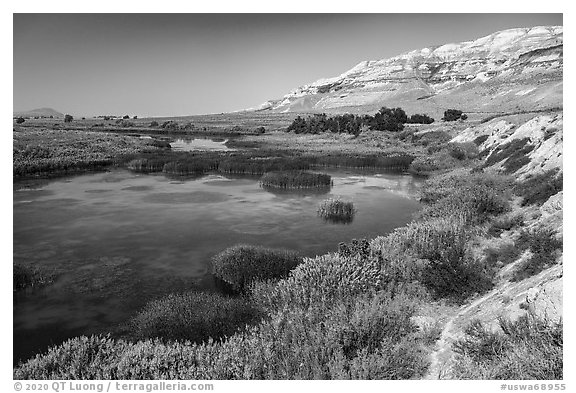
(511,70)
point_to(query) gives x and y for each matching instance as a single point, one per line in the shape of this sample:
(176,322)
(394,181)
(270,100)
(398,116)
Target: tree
(420,119)
(126,117)
(68,118)
(453,115)
(20,120)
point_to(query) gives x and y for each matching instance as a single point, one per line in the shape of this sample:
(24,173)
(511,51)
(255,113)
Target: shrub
(194,316)
(360,248)
(68,118)
(336,210)
(241,264)
(514,155)
(420,119)
(170,125)
(453,115)
(154,123)
(503,255)
(20,120)
(481,139)
(544,246)
(387,119)
(472,203)
(426,165)
(528,348)
(295,179)
(503,224)
(125,117)
(124,123)
(322,282)
(463,151)
(366,337)
(539,188)
(445,185)
(449,272)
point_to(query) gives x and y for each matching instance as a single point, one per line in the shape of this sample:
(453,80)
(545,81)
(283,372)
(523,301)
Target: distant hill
(40,112)
(508,71)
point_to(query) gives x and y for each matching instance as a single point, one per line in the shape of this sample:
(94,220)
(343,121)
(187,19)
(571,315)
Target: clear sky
(184,64)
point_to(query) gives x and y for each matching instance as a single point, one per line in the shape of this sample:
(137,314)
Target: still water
(116,240)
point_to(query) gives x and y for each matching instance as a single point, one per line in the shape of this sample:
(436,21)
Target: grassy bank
(49,152)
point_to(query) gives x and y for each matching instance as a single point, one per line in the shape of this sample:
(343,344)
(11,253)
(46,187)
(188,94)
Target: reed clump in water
(336,210)
(295,179)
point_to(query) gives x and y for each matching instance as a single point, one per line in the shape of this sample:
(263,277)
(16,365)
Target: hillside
(40,112)
(511,70)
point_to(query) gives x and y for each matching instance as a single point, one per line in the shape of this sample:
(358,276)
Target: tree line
(386,119)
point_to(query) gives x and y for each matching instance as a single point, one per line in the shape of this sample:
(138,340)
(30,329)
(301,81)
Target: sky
(186,64)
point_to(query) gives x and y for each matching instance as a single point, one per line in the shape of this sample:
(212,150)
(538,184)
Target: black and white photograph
(201,197)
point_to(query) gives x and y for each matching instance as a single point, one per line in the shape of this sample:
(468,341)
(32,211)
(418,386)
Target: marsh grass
(29,277)
(53,152)
(242,264)
(336,210)
(258,165)
(295,179)
(528,348)
(391,162)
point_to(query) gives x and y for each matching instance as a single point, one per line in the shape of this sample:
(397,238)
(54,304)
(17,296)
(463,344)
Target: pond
(194,144)
(116,240)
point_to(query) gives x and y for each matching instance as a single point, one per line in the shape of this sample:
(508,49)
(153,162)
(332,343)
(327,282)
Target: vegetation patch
(260,164)
(426,165)
(394,162)
(453,115)
(295,179)
(386,119)
(503,224)
(481,139)
(193,316)
(29,277)
(368,337)
(242,264)
(49,151)
(528,348)
(544,247)
(515,154)
(336,210)
(539,188)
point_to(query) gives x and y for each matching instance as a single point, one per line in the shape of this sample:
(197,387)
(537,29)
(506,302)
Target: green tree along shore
(347,314)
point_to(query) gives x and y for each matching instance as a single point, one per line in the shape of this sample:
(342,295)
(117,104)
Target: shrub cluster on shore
(242,264)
